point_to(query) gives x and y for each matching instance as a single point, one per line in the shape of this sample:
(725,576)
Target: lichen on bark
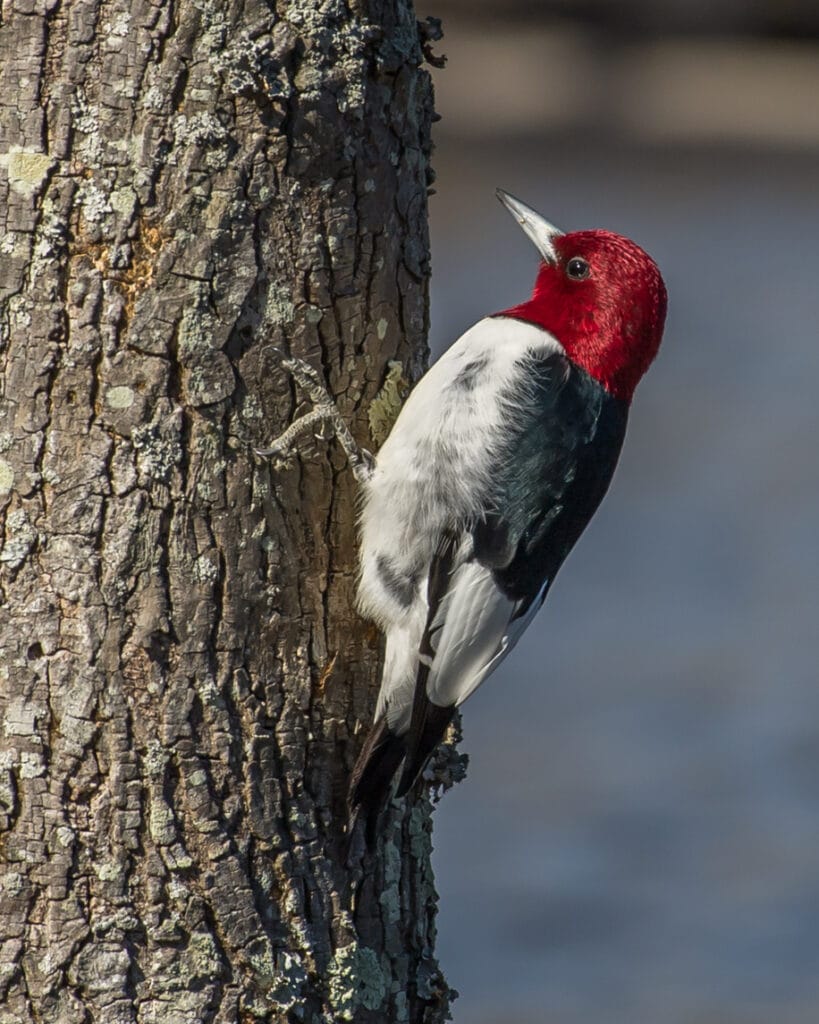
(183,680)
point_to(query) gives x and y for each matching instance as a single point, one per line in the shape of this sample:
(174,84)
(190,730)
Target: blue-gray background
(638,836)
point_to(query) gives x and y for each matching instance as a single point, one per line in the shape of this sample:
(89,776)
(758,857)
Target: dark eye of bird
(577,269)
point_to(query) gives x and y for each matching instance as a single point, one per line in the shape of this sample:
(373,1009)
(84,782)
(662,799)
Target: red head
(600,295)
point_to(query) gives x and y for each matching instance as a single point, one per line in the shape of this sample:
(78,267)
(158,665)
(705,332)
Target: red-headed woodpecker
(497,462)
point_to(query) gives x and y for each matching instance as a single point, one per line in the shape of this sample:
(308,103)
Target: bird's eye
(577,269)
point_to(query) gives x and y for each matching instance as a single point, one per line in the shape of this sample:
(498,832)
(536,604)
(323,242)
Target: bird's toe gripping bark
(324,413)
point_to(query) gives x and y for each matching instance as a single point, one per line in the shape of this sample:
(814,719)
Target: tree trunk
(183,679)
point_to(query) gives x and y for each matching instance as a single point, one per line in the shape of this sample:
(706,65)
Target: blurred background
(638,836)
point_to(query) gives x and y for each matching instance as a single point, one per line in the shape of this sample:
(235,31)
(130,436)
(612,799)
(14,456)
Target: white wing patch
(473,631)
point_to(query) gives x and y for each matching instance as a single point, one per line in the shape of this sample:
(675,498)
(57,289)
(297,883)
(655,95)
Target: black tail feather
(372,776)
(435,723)
(429,721)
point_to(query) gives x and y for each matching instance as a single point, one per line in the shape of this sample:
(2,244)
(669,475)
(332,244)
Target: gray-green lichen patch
(279,307)
(348,43)
(155,759)
(390,898)
(280,984)
(123,201)
(420,832)
(181,984)
(252,64)
(202,954)
(65,836)
(205,570)
(18,315)
(50,236)
(12,883)
(95,203)
(26,169)
(386,405)
(107,869)
(19,539)
(158,450)
(120,397)
(85,120)
(161,821)
(251,410)
(197,329)
(120,24)
(262,960)
(154,99)
(6,476)
(211,381)
(355,981)
(205,131)
(32,764)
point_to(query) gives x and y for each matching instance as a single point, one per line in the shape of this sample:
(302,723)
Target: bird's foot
(324,414)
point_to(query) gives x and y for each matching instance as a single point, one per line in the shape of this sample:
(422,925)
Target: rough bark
(183,679)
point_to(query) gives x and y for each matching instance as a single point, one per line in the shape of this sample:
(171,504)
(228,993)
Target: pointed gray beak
(539,230)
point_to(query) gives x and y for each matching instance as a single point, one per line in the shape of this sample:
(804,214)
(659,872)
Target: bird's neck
(598,343)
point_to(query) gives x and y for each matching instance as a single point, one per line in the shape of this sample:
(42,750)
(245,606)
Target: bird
(495,465)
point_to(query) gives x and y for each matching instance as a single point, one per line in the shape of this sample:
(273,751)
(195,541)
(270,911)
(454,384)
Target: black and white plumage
(499,458)
(474,503)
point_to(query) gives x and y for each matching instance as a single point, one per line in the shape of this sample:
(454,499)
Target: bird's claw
(325,415)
